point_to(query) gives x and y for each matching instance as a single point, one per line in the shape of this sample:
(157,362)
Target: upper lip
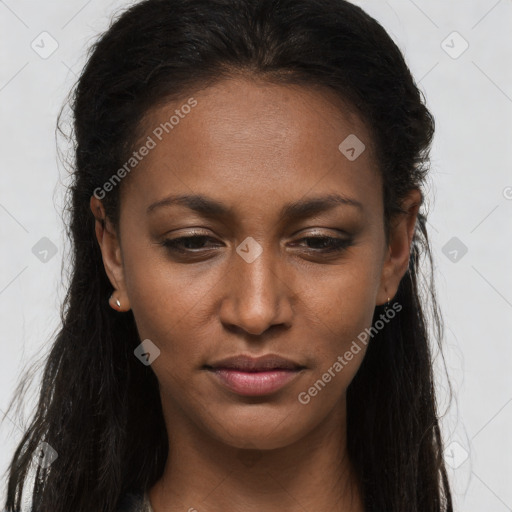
(248,363)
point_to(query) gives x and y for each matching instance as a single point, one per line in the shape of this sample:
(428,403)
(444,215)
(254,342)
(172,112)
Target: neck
(205,475)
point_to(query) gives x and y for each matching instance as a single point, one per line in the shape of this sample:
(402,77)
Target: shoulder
(131,502)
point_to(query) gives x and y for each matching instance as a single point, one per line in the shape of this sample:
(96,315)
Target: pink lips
(249,376)
(255,383)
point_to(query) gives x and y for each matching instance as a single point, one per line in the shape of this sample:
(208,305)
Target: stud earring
(118,303)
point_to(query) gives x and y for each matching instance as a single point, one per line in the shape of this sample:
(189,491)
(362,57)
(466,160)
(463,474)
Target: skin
(255,146)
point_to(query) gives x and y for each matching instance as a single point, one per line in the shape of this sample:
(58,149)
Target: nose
(257,295)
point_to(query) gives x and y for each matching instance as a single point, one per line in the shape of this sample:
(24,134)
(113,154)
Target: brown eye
(186,243)
(328,243)
(196,243)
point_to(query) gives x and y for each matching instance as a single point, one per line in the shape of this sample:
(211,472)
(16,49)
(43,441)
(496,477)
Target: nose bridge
(256,296)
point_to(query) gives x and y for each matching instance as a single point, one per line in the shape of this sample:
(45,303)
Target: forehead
(245,140)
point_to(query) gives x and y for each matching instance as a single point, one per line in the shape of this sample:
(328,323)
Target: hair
(94,392)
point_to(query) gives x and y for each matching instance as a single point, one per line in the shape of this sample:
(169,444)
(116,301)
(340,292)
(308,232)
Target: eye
(328,243)
(196,243)
(183,244)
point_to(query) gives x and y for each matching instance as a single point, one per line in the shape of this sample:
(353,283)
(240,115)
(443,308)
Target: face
(290,259)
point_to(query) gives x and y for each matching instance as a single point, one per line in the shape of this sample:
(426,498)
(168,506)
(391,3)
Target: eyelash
(336,244)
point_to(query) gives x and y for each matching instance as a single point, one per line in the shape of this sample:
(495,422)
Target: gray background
(470,197)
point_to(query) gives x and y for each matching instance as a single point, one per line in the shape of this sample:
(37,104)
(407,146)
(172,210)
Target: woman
(243,328)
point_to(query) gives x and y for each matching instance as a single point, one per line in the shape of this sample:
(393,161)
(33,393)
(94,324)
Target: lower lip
(255,383)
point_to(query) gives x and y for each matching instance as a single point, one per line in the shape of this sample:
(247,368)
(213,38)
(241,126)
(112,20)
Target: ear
(398,251)
(111,254)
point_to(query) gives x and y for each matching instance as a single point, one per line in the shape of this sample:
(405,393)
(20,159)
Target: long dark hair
(99,408)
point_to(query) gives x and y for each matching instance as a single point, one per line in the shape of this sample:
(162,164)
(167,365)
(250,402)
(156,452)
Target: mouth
(249,376)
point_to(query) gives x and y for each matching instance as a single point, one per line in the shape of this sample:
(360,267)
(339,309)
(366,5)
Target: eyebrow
(302,208)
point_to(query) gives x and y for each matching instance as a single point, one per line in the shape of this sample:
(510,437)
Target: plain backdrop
(460,54)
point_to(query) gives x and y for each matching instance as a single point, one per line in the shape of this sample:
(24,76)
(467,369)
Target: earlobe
(111,255)
(115,303)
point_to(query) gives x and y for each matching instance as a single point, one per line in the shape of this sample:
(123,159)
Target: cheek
(345,301)
(170,304)
(162,295)
(343,307)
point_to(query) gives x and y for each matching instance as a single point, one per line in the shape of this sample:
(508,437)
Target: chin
(260,431)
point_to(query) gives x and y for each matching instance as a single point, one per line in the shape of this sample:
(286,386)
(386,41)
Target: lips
(250,376)
(260,364)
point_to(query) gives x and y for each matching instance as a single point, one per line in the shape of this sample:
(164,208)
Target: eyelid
(316,232)
(336,245)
